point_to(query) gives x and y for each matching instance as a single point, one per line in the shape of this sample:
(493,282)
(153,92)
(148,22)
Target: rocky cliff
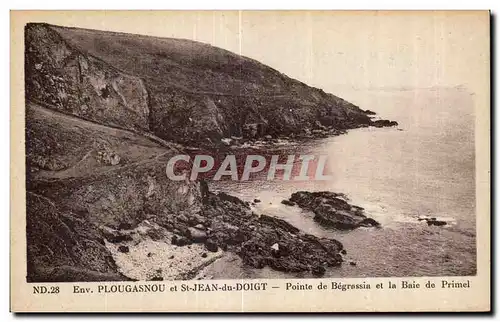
(178,90)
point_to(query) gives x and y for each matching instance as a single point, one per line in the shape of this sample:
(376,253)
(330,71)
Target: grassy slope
(190,65)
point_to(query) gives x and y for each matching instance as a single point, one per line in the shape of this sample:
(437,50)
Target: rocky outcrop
(261,240)
(331,210)
(384,123)
(178,90)
(433,221)
(288,202)
(62,77)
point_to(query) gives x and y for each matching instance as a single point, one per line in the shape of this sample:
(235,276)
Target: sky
(327,49)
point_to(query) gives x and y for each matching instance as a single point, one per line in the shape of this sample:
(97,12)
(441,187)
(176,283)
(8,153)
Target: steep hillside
(179,90)
(84,177)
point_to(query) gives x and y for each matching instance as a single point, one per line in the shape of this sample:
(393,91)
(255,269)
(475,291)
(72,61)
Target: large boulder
(331,210)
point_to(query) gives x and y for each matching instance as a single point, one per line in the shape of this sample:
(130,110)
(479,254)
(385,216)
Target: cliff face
(178,90)
(77,83)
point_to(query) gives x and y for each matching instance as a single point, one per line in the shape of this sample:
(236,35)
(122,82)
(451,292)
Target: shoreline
(150,251)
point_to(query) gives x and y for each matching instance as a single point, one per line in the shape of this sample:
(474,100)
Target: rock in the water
(352,263)
(384,123)
(332,211)
(256,200)
(288,202)
(433,221)
(369,222)
(204,255)
(436,222)
(343,252)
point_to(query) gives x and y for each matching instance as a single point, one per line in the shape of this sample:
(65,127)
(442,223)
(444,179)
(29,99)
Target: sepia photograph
(252,145)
